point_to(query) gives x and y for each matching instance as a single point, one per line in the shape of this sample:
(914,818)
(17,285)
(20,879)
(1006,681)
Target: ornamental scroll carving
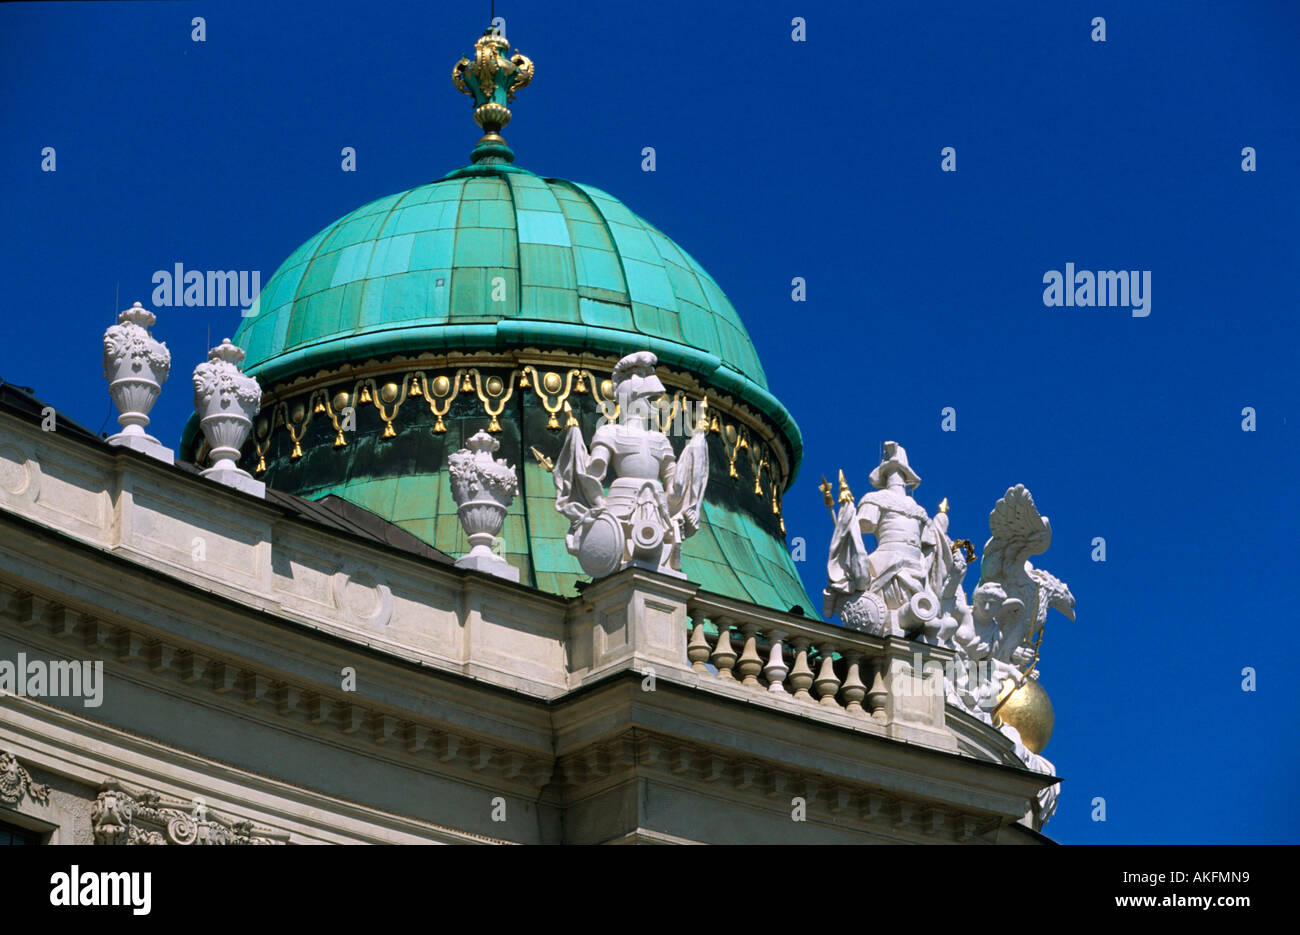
(120,816)
(15,782)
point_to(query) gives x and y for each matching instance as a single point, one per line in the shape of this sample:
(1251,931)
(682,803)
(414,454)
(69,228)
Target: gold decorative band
(439,383)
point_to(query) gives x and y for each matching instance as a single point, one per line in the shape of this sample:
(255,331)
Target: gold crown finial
(492,79)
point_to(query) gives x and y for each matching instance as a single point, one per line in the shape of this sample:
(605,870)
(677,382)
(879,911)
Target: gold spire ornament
(846,495)
(702,416)
(492,79)
(547,464)
(825,488)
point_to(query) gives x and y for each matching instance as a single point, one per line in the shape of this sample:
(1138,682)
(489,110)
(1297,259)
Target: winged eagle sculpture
(1018,532)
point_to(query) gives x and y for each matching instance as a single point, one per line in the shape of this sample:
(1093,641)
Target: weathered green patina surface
(491,257)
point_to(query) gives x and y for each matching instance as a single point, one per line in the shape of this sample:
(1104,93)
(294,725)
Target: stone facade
(269,679)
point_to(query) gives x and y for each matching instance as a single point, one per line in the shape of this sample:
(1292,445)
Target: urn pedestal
(482,520)
(136,366)
(484,489)
(226,401)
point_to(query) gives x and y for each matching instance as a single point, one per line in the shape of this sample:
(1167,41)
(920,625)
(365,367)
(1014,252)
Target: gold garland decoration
(553,387)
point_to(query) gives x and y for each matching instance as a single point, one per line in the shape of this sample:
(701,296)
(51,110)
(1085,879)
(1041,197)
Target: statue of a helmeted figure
(654,501)
(896,589)
(911,585)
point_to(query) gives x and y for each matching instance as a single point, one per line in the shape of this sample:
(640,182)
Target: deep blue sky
(820,159)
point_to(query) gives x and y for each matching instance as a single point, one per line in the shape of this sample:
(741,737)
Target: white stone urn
(226,400)
(135,366)
(484,488)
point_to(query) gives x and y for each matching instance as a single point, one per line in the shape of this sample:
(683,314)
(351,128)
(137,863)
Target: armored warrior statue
(654,502)
(894,590)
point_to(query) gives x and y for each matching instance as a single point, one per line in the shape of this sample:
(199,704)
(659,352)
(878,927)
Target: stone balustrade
(890,681)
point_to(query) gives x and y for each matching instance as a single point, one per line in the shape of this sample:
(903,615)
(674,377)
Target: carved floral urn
(484,487)
(226,400)
(135,366)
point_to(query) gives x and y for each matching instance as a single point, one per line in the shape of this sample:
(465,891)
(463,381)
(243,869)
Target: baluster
(801,677)
(853,690)
(698,649)
(879,693)
(724,657)
(828,683)
(776,670)
(750,663)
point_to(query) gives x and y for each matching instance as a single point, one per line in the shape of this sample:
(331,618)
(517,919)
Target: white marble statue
(484,487)
(999,639)
(1018,531)
(654,501)
(897,589)
(997,647)
(912,585)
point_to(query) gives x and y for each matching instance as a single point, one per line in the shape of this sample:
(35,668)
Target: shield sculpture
(602,547)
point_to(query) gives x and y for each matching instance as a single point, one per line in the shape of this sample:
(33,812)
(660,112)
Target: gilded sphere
(441,386)
(495,386)
(389,392)
(1029,711)
(551,382)
(341,401)
(607,389)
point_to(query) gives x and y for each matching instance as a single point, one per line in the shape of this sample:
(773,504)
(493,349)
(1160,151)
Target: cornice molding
(241,687)
(768,785)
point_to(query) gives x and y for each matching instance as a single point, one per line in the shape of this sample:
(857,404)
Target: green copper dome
(493,299)
(530,261)
(415,288)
